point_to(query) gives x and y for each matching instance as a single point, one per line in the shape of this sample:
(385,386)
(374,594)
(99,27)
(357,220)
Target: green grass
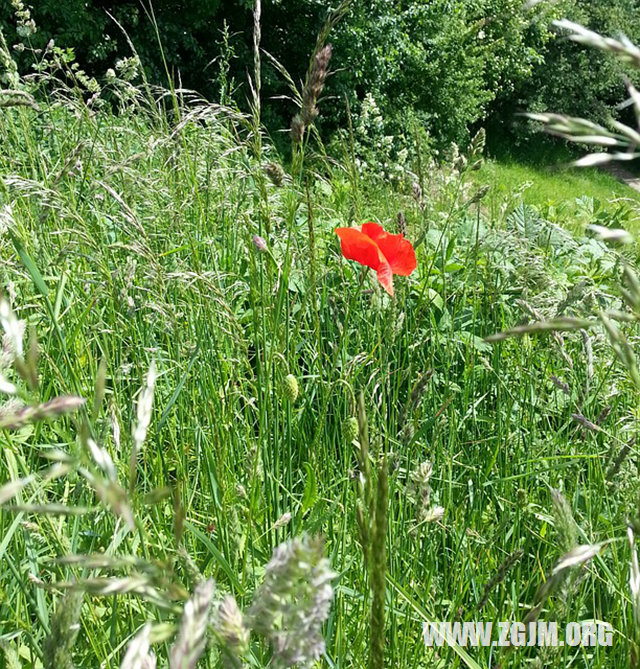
(542,173)
(131,242)
(552,185)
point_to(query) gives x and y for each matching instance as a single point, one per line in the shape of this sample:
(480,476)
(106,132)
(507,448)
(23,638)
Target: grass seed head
(565,524)
(64,631)
(293,602)
(259,243)
(275,173)
(290,388)
(191,640)
(350,429)
(139,655)
(233,632)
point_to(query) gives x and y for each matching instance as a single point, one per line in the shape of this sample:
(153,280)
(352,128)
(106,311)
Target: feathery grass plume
(13,329)
(9,490)
(139,655)
(99,389)
(621,348)
(297,129)
(6,386)
(584,131)
(504,568)
(434,514)
(283,521)
(580,130)
(102,459)
(588,350)
(259,243)
(13,418)
(314,84)
(402,224)
(416,191)
(575,557)
(64,631)
(17,98)
(191,640)
(622,48)
(275,173)
(316,76)
(143,412)
(234,634)
(293,602)
(554,325)
(419,489)
(565,525)
(8,68)
(476,149)
(257,65)
(614,235)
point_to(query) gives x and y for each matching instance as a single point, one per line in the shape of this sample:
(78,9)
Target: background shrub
(445,63)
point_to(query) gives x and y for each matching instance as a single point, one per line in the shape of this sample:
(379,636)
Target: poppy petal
(396,249)
(385,277)
(359,247)
(373,230)
(399,253)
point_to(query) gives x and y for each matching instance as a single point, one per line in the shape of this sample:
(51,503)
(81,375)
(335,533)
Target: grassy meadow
(246,385)
(540,172)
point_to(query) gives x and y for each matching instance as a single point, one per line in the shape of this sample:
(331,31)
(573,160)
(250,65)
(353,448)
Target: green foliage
(571,79)
(442,61)
(444,64)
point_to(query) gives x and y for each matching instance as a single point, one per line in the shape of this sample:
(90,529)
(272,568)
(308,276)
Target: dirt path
(623,175)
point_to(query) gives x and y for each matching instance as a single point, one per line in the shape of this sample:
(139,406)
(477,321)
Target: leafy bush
(572,80)
(443,62)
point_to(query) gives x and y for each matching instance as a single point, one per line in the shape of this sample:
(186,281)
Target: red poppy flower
(372,246)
